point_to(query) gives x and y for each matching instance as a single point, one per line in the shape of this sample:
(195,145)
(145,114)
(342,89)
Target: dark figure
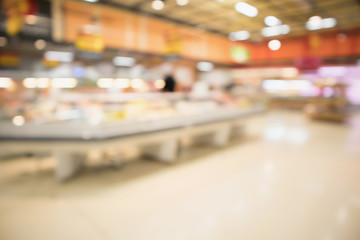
(170,84)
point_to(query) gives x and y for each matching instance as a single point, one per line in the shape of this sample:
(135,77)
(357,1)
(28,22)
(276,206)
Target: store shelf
(79,130)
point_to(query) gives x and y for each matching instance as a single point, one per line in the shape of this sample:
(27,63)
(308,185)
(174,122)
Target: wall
(127,30)
(329,46)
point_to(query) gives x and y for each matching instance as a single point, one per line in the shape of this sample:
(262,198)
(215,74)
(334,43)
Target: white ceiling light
(275,31)
(64,82)
(274,45)
(113,83)
(122,83)
(5,82)
(59,56)
(92,1)
(105,82)
(315,18)
(159,84)
(36,82)
(316,23)
(272,21)
(18,120)
(124,61)
(182,2)
(29,82)
(43,82)
(137,83)
(239,36)
(205,66)
(246,9)
(157,4)
(329,22)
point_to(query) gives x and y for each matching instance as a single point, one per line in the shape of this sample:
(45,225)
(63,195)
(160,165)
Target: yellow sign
(50,64)
(90,42)
(314,42)
(9,59)
(14,24)
(15,10)
(239,54)
(172,44)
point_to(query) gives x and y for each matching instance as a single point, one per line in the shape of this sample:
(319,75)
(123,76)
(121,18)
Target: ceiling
(219,16)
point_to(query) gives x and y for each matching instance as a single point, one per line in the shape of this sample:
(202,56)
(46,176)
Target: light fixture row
(7,82)
(42,83)
(160,4)
(276,28)
(121,83)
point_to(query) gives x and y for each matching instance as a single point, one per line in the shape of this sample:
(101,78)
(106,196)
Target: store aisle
(291,179)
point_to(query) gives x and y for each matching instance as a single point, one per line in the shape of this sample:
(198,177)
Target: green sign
(240,54)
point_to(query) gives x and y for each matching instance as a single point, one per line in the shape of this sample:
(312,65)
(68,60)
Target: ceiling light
(182,2)
(246,9)
(239,36)
(205,66)
(275,31)
(316,23)
(272,21)
(157,4)
(29,82)
(5,82)
(274,45)
(40,44)
(159,84)
(105,82)
(64,82)
(137,83)
(122,83)
(18,120)
(315,18)
(3,41)
(92,1)
(43,82)
(329,22)
(59,56)
(36,82)
(124,61)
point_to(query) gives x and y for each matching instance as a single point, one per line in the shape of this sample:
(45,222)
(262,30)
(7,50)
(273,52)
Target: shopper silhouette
(170,84)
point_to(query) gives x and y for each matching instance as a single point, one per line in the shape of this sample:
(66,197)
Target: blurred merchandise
(331,106)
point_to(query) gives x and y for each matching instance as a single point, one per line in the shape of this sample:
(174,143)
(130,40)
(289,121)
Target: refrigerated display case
(72,123)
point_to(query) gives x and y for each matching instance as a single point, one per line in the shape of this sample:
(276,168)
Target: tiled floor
(291,179)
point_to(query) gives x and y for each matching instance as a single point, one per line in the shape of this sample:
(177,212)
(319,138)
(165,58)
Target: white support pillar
(239,130)
(67,164)
(57,20)
(221,136)
(166,152)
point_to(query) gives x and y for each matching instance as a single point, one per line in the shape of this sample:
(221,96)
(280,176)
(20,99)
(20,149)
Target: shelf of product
(69,129)
(131,120)
(331,107)
(44,117)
